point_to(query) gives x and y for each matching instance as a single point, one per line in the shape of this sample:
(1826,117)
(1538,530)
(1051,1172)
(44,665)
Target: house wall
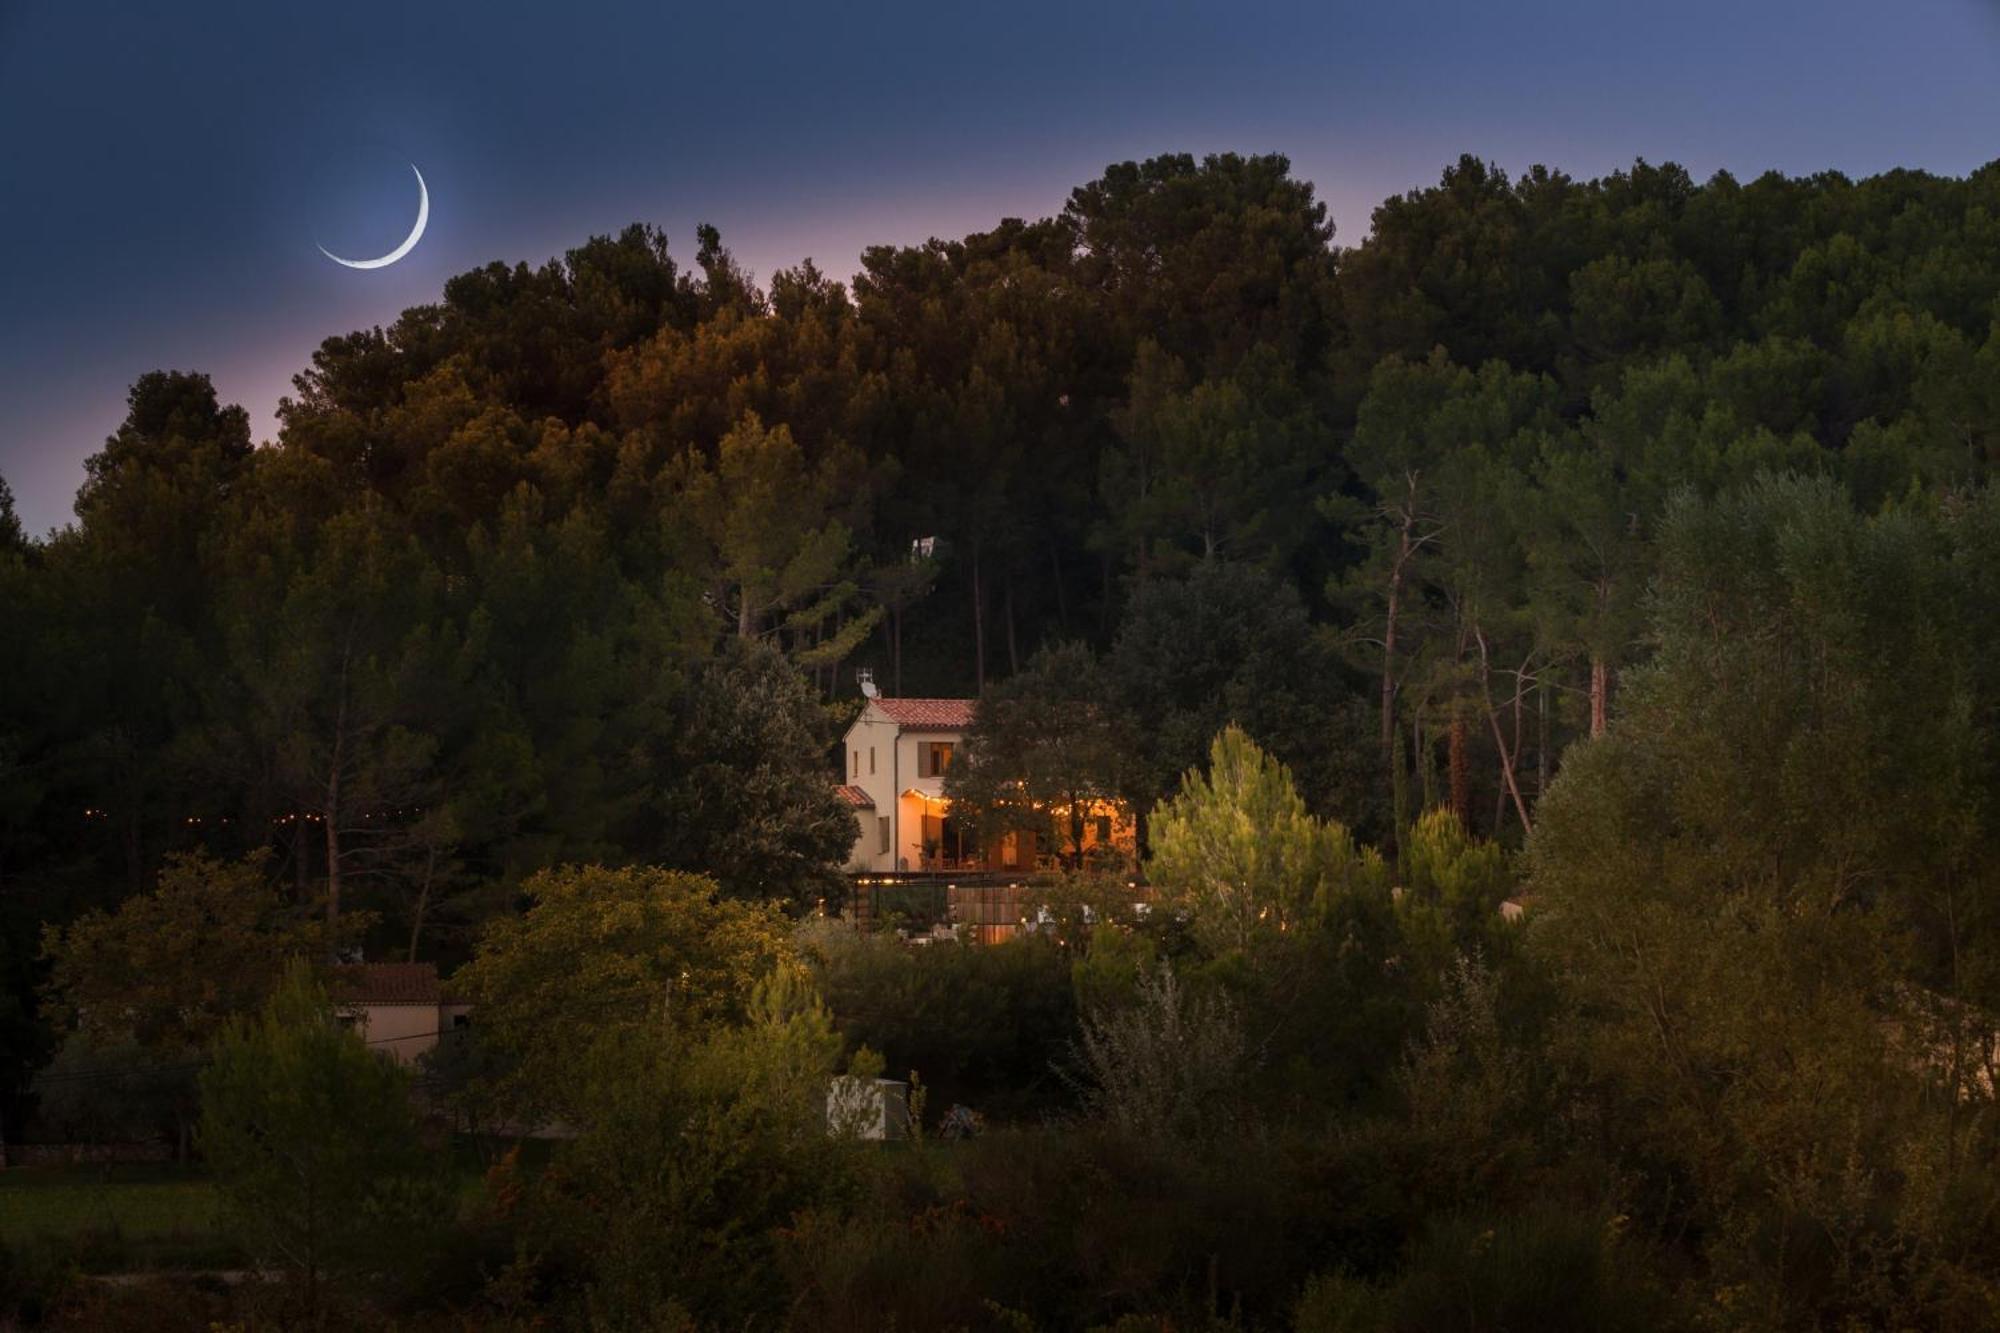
(404,1031)
(911,829)
(896,755)
(873,736)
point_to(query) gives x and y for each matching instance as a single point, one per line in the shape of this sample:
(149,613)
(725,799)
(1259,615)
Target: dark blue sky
(166,169)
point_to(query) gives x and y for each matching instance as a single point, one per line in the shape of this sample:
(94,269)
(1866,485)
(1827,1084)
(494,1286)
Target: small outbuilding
(400,1009)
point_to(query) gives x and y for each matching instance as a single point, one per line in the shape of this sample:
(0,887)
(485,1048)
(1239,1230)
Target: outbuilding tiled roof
(387,983)
(928,714)
(855,796)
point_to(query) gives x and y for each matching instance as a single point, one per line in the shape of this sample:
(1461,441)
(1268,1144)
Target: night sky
(169,169)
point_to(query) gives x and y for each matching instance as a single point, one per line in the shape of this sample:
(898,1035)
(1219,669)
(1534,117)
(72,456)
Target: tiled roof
(855,796)
(929,714)
(387,983)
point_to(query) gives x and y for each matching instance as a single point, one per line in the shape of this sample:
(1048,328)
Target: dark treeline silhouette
(575,565)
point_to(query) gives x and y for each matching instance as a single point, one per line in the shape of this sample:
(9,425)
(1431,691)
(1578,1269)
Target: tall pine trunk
(1600,688)
(330,806)
(423,901)
(1541,738)
(1062,601)
(1013,647)
(978,623)
(1507,773)
(1460,767)
(1406,546)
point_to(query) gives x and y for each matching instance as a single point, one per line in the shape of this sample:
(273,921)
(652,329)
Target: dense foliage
(1623,549)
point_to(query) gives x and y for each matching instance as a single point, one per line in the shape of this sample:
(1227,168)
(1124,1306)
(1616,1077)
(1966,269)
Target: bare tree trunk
(1013,648)
(1104,592)
(896,649)
(423,900)
(1500,740)
(134,835)
(1460,768)
(1406,547)
(1600,687)
(978,624)
(331,816)
(331,807)
(1420,761)
(1389,648)
(1541,739)
(746,620)
(1062,602)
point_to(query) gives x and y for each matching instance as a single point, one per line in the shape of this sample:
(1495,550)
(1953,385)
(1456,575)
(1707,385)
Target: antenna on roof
(865,678)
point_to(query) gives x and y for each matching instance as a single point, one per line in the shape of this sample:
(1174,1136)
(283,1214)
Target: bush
(984,1025)
(1168,1067)
(1549,1269)
(692,1155)
(314,1145)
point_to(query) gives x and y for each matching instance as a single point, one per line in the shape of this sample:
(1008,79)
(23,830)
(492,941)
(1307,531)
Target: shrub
(1168,1067)
(983,1024)
(1550,1269)
(314,1144)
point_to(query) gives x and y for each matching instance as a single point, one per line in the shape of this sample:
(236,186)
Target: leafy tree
(132,629)
(12,539)
(144,989)
(602,951)
(341,666)
(696,1150)
(314,1145)
(1232,643)
(1043,747)
(100,1090)
(581,664)
(771,545)
(1763,889)
(745,799)
(1212,258)
(1428,442)
(1214,468)
(170,966)
(1453,886)
(1238,850)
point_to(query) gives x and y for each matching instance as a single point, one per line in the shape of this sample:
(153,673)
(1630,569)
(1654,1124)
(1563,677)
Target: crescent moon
(409,242)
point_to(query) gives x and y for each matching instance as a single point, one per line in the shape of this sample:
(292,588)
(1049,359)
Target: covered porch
(936,840)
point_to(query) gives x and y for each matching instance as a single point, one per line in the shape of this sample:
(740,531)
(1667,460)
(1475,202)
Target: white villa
(897,752)
(895,758)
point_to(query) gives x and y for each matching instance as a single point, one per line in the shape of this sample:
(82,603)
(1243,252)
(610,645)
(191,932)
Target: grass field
(117,1216)
(135,1217)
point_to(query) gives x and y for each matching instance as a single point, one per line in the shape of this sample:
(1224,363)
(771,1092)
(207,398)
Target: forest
(1620,550)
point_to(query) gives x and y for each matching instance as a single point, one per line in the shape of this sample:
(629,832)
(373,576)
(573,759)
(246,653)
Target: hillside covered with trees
(1620,547)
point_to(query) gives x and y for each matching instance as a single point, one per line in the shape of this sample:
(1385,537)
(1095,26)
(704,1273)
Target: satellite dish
(865,678)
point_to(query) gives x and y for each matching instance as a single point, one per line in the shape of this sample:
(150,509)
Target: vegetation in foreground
(1622,549)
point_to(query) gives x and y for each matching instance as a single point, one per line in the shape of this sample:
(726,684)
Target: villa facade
(895,757)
